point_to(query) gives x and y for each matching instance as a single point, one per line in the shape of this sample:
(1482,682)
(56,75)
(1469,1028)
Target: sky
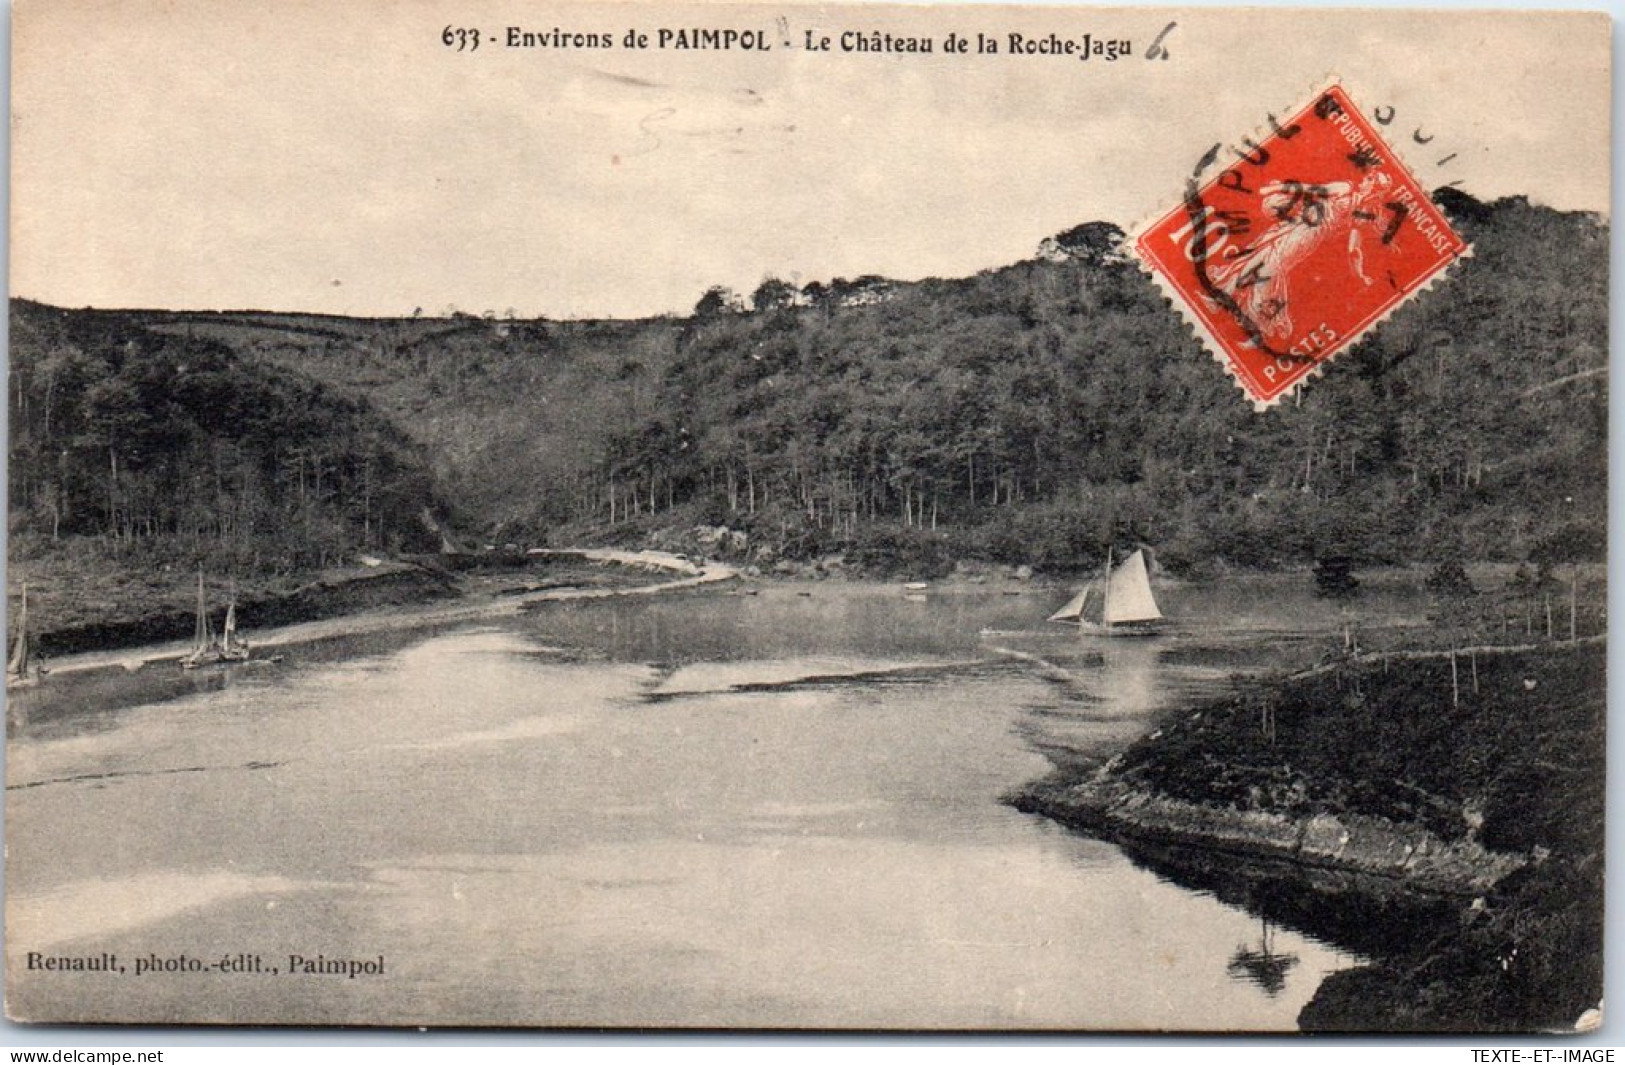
(340,158)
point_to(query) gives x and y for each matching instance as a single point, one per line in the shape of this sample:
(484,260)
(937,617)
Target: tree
(772,294)
(718,300)
(1094,243)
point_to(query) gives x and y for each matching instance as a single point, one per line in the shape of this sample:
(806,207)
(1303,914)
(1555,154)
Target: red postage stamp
(1288,248)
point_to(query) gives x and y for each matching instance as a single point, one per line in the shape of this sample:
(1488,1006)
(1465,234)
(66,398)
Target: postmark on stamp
(1289,247)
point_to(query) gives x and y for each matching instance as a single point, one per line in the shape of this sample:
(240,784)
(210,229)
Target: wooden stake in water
(1574,605)
(1474,660)
(1455,689)
(1548,615)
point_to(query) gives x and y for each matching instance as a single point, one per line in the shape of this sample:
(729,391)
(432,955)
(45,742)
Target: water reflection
(1127,681)
(89,700)
(1262,965)
(727,810)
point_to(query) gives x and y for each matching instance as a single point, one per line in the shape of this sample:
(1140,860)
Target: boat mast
(1106,591)
(202,615)
(228,635)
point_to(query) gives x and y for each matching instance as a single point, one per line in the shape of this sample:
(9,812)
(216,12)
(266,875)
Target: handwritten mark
(1157,51)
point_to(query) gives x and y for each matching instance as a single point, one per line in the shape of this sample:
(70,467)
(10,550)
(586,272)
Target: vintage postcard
(807,516)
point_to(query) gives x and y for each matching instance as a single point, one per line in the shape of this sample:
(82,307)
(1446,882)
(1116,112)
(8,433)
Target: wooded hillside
(133,437)
(1035,413)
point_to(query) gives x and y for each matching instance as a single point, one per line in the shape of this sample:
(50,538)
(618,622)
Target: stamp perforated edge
(1193,321)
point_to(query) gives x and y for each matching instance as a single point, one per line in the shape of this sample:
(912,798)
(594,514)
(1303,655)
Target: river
(706,809)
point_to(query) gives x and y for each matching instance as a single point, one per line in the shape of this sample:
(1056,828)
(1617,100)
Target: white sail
(1128,593)
(1073,609)
(205,648)
(232,647)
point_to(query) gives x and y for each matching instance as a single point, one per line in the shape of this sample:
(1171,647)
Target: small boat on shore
(22,669)
(207,649)
(1119,604)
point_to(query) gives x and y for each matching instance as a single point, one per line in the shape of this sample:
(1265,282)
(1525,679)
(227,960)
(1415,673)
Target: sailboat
(21,669)
(1126,605)
(206,648)
(233,648)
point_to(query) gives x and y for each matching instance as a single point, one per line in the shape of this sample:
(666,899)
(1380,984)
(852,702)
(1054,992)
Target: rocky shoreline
(1464,819)
(1363,846)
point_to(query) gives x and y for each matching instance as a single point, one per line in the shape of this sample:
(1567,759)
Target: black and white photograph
(807,517)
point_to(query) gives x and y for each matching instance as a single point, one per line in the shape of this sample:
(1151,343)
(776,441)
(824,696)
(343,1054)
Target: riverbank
(90,601)
(1474,779)
(388,597)
(1360,846)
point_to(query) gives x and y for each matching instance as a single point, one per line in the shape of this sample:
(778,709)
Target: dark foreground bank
(1456,802)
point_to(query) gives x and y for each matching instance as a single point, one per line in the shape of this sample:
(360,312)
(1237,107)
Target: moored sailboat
(21,669)
(207,649)
(1126,605)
